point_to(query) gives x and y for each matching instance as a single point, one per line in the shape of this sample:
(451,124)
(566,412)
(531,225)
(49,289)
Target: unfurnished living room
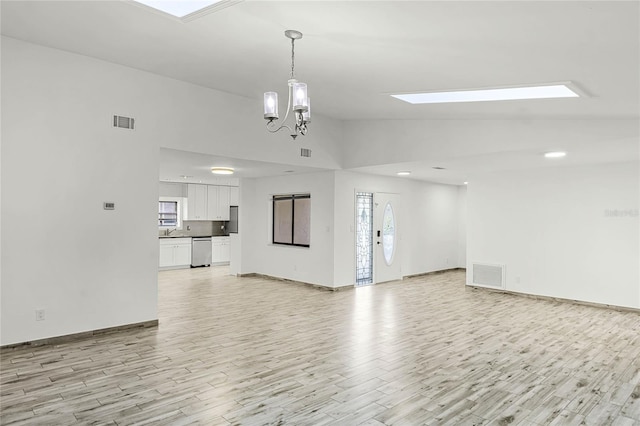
(320,212)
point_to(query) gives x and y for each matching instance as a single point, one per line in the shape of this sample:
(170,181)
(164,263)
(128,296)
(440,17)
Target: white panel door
(386,246)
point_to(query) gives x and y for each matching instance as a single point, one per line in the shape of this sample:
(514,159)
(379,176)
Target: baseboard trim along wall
(558,299)
(345,287)
(286,280)
(441,271)
(79,336)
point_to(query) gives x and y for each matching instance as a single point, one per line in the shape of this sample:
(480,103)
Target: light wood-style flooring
(253,351)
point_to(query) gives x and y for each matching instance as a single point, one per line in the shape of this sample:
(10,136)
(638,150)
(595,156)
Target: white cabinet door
(175,252)
(212,202)
(216,251)
(166,255)
(225,254)
(196,202)
(182,254)
(223,203)
(220,250)
(234,196)
(218,202)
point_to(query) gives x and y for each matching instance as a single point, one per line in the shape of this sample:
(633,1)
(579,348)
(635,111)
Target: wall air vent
(488,275)
(305,152)
(123,122)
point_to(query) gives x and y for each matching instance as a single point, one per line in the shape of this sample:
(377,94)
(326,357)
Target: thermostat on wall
(109,206)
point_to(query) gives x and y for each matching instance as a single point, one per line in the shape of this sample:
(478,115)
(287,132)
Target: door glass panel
(388,234)
(364,238)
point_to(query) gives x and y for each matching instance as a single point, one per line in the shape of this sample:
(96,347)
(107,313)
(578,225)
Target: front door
(386,237)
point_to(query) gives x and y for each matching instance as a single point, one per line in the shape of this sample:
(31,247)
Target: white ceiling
(354,53)
(191,167)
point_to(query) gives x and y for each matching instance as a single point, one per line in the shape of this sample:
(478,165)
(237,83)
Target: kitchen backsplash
(198,228)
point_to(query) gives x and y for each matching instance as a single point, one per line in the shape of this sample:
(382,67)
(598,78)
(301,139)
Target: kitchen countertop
(192,236)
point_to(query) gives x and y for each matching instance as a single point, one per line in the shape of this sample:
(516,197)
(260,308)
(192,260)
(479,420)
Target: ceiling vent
(305,152)
(123,122)
(488,275)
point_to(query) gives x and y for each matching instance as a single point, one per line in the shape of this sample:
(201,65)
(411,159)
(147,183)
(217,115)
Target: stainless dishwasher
(200,251)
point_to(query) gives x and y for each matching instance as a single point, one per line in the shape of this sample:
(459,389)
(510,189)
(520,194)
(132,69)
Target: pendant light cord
(292,56)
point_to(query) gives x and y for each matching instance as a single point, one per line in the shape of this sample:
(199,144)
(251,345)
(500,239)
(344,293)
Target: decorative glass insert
(364,238)
(168,213)
(292,219)
(388,234)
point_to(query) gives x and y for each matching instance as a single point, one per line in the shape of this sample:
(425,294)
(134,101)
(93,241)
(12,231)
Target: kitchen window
(292,219)
(169,213)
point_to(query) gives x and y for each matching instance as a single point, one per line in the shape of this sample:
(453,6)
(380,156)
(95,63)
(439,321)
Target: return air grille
(123,122)
(305,152)
(488,275)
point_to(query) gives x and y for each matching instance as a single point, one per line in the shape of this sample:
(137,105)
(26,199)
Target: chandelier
(297,101)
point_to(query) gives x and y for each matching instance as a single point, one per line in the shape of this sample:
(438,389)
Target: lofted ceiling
(355,53)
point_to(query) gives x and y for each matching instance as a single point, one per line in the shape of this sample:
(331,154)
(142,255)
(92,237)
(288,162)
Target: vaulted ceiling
(355,53)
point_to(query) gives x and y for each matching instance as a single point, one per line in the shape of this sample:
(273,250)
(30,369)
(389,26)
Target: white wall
(86,267)
(311,265)
(89,268)
(174,190)
(551,229)
(427,223)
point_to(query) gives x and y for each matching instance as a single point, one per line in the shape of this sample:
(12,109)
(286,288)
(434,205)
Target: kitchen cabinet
(210,202)
(234,196)
(175,252)
(197,202)
(217,202)
(220,250)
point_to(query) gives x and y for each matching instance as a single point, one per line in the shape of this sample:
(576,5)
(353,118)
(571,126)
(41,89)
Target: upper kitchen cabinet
(234,196)
(197,202)
(218,202)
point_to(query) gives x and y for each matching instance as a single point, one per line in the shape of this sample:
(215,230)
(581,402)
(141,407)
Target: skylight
(178,8)
(498,94)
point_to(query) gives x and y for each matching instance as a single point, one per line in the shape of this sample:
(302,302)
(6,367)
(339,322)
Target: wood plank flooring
(253,351)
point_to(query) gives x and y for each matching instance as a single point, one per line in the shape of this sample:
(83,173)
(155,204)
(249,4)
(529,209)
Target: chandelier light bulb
(271,106)
(300,98)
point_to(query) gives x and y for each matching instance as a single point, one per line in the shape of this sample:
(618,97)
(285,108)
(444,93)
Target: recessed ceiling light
(222,170)
(404,173)
(555,154)
(466,183)
(495,94)
(177,8)
(185,176)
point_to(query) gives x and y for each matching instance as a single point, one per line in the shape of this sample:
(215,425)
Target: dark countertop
(192,236)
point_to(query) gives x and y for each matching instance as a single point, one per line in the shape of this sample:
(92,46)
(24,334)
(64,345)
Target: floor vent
(488,275)
(123,122)
(305,152)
